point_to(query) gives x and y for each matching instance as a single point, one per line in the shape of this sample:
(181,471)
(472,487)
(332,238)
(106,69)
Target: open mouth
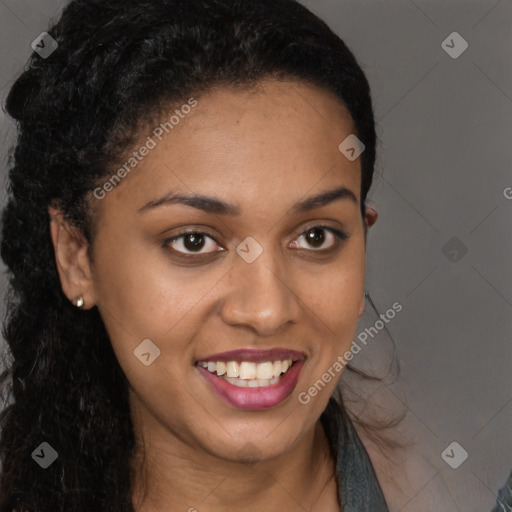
(248,374)
(251,379)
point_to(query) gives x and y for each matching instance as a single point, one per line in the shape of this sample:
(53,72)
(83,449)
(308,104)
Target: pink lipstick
(253,379)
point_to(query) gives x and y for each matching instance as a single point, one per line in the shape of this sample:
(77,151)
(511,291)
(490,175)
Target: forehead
(297,111)
(263,144)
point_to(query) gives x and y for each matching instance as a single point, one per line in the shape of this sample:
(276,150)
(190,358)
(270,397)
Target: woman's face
(259,281)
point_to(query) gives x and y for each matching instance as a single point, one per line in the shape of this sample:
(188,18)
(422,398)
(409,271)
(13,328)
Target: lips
(252,379)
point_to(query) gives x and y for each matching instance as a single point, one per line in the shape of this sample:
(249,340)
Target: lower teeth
(250,383)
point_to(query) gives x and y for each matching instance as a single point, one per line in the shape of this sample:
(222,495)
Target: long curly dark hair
(117,64)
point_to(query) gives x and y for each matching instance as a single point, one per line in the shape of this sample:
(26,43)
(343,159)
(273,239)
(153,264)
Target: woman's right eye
(193,241)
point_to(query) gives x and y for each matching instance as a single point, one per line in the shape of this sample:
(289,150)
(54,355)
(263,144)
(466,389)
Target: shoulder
(408,481)
(391,471)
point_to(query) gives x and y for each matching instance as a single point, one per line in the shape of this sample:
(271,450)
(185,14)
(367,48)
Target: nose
(261,296)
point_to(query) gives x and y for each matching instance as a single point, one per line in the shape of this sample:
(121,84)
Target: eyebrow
(217,206)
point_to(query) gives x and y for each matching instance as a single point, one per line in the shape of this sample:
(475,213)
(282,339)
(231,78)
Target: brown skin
(262,150)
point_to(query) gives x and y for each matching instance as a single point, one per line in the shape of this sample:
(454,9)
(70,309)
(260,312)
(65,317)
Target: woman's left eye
(315,238)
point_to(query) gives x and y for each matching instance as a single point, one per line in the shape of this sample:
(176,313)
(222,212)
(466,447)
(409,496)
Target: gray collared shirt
(358,487)
(504,500)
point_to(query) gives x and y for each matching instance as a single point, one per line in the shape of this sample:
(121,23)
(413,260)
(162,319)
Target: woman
(185,235)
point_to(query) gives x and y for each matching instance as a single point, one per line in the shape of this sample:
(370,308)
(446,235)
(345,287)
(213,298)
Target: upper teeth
(247,370)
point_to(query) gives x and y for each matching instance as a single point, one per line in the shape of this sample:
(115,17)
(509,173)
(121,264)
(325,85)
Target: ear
(70,248)
(371,216)
(362,307)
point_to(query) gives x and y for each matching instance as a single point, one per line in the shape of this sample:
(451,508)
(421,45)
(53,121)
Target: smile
(253,379)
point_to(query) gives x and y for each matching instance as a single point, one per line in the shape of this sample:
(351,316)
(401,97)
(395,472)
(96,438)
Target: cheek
(139,290)
(141,295)
(335,293)
(335,302)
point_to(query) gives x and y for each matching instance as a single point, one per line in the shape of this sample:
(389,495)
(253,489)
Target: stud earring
(79,303)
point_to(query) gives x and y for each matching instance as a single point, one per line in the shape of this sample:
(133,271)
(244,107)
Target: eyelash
(339,236)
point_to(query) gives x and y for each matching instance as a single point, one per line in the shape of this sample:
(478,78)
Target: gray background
(444,156)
